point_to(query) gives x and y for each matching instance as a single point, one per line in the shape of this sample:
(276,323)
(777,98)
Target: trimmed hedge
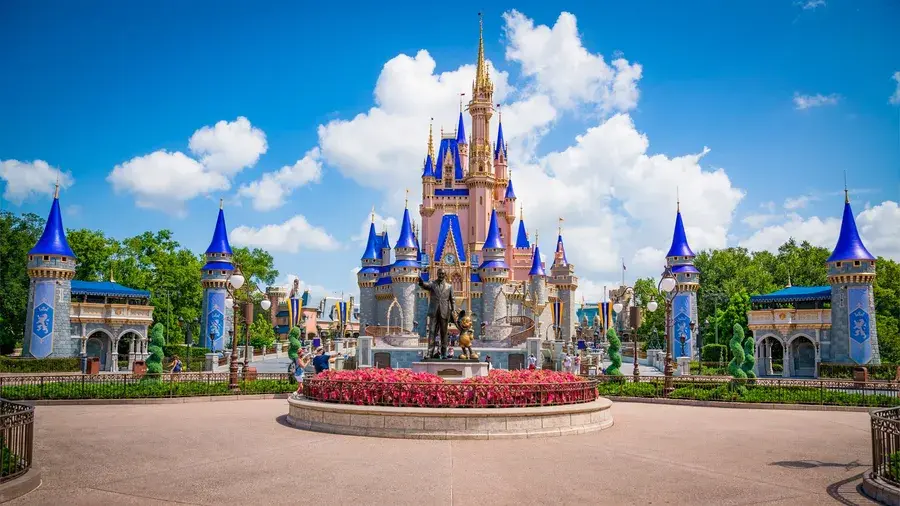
(26,365)
(886,372)
(714,353)
(139,389)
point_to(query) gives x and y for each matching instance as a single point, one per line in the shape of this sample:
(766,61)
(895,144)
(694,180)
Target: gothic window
(480,201)
(855,264)
(448,184)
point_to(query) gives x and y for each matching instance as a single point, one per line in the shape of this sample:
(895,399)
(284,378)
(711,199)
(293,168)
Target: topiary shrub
(714,352)
(615,357)
(157,342)
(737,353)
(294,343)
(749,363)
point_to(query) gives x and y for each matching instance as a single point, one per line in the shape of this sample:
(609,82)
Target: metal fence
(762,390)
(128,386)
(886,444)
(448,395)
(16,439)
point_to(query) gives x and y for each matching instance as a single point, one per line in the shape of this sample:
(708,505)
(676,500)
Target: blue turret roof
(53,240)
(493,238)
(680,246)
(429,167)
(461,130)
(522,237)
(450,227)
(406,239)
(385,243)
(453,146)
(510,193)
(219,243)
(537,268)
(560,257)
(501,143)
(849,245)
(371,252)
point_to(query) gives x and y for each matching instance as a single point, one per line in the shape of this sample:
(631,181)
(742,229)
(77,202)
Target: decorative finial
(221,203)
(56,191)
(560,225)
(521,213)
(406,203)
(846,193)
(536,240)
(499,114)
(461,95)
(677,200)
(373,214)
(431,140)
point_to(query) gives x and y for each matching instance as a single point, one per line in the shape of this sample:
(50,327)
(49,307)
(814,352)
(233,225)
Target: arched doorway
(803,357)
(98,344)
(769,357)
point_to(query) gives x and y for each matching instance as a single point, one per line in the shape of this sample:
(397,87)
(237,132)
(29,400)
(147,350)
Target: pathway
(236,452)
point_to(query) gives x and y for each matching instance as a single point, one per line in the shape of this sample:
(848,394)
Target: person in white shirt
(567,363)
(488,360)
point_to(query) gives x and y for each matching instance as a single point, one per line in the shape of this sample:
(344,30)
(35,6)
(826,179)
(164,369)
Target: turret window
(856,263)
(46,258)
(63,259)
(838,265)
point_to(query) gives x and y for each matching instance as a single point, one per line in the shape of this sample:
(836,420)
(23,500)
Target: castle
(467,216)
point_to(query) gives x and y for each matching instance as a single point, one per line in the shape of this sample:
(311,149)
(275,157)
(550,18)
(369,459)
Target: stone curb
(880,490)
(21,485)
(740,405)
(154,400)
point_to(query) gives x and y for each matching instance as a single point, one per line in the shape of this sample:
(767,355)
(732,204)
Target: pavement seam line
(142,496)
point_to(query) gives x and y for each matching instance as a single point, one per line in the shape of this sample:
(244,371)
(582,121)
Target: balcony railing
(16,439)
(111,312)
(798,317)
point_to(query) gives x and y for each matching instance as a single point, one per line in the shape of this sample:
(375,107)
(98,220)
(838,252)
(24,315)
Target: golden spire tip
(373,214)
(406,203)
(56,191)
(846,192)
(221,203)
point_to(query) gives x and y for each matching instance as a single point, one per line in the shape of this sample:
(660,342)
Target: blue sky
(91,85)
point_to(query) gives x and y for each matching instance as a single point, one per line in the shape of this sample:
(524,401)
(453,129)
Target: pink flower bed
(402,387)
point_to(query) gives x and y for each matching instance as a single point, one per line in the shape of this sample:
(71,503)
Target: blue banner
(293,312)
(858,315)
(215,320)
(316,342)
(42,319)
(681,325)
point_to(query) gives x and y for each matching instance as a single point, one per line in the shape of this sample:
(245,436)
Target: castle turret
(215,317)
(680,259)
(851,274)
(276,296)
(494,273)
(51,267)
(563,278)
(367,277)
(480,180)
(429,178)
(405,272)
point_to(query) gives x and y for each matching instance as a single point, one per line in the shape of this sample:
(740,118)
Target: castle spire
(849,245)
(501,142)
(482,76)
(406,239)
(680,247)
(53,240)
(493,239)
(219,242)
(537,268)
(431,138)
(510,193)
(522,236)
(371,252)
(461,130)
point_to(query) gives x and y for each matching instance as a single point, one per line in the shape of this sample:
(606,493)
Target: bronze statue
(466,335)
(440,307)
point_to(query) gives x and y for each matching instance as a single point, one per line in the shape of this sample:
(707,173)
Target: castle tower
(851,273)
(687,281)
(366,279)
(564,279)
(521,252)
(276,296)
(215,316)
(51,267)
(405,272)
(494,273)
(429,179)
(480,178)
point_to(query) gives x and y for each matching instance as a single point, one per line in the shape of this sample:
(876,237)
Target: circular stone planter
(449,423)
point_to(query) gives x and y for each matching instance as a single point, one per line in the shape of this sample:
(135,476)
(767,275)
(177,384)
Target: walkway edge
(154,400)
(739,405)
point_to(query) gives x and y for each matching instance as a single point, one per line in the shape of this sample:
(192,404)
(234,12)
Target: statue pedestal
(452,370)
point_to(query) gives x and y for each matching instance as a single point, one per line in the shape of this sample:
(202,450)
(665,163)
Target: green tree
(95,252)
(18,234)
(294,343)
(887,309)
(615,357)
(262,335)
(737,353)
(645,290)
(157,343)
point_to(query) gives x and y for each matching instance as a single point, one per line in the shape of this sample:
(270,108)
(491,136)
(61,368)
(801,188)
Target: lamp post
(618,307)
(248,319)
(666,286)
(235,281)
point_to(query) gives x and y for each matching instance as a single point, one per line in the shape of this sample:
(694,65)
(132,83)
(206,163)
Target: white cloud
(802,102)
(564,69)
(879,228)
(164,180)
(272,189)
(813,4)
(382,223)
(793,203)
(290,236)
(895,98)
(27,179)
(818,231)
(759,220)
(229,146)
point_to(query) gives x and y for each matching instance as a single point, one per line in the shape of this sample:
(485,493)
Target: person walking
(176,365)
(577,364)
(296,368)
(488,360)
(567,363)
(532,362)
(321,360)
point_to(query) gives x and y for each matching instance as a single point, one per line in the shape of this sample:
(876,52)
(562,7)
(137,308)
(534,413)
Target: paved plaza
(235,452)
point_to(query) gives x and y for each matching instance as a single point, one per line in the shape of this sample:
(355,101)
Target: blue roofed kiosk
(807,325)
(70,318)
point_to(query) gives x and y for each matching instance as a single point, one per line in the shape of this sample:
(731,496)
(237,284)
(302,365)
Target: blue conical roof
(522,237)
(560,257)
(510,193)
(371,252)
(461,130)
(501,143)
(219,243)
(53,240)
(849,245)
(537,268)
(493,238)
(680,246)
(406,239)
(429,167)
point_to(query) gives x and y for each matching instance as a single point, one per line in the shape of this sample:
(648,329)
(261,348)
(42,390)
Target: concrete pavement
(241,452)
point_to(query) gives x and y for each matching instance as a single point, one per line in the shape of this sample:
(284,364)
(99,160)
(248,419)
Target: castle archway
(803,357)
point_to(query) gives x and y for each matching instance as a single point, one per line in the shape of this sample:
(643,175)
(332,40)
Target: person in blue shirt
(321,361)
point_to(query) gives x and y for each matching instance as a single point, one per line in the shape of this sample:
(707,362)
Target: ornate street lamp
(666,287)
(618,307)
(235,281)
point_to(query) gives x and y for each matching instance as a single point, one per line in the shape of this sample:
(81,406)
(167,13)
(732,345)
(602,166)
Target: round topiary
(615,357)
(157,342)
(294,343)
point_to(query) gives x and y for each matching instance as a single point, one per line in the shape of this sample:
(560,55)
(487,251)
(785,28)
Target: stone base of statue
(452,370)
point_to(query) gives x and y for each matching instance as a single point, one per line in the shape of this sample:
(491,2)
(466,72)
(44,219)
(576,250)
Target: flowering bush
(402,387)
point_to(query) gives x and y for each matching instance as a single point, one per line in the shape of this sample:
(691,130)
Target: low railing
(128,386)
(16,439)
(381,331)
(448,395)
(762,390)
(886,444)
